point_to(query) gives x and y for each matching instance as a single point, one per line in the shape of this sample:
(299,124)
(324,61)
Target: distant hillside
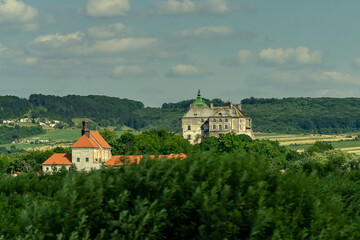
(311,115)
(287,115)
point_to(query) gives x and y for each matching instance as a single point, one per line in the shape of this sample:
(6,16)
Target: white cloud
(206,32)
(182,70)
(108,31)
(121,45)
(290,57)
(175,7)
(30,61)
(300,56)
(57,40)
(107,8)
(18,15)
(2,49)
(128,70)
(77,44)
(336,77)
(245,56)
(356,63)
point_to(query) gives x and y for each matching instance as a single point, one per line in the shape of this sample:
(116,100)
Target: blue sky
(158,51)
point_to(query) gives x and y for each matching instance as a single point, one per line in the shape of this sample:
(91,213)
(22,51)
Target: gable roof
(119,160)
(99,139)
(85,142)
(59,159)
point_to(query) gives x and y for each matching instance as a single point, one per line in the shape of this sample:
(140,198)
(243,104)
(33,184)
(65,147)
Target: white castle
(203,121)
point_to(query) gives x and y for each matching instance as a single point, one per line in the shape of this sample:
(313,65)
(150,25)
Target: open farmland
(345,142)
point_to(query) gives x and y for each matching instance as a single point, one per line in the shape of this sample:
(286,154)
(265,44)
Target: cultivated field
(345,142)
(66,137)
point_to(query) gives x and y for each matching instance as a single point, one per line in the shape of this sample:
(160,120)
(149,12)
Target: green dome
(199,102)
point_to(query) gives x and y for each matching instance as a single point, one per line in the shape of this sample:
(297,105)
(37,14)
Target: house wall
(51,168)
(194,134)
(79,156)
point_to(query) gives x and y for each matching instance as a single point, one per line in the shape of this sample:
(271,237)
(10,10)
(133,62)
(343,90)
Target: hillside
(287,115)
(304,115)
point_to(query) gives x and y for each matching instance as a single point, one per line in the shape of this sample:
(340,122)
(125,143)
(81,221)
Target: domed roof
(199,102)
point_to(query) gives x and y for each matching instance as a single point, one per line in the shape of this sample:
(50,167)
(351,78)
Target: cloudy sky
(160,51)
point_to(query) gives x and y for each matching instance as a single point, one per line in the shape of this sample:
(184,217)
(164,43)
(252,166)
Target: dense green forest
(296,115)
(231,187)
(287,115)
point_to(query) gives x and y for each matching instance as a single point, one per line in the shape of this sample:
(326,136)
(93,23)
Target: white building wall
(51,168)
(80,156)
(194,133)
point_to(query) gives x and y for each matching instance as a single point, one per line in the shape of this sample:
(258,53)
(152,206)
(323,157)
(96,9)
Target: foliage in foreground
(207,196)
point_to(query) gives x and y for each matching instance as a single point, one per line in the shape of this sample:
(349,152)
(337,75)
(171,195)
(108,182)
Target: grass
(27,124)
(57,137)
(60,135)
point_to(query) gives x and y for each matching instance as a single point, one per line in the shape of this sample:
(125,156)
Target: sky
(158,51)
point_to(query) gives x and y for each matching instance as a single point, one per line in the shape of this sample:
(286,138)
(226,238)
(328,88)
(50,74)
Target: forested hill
(287,115)
(296,115)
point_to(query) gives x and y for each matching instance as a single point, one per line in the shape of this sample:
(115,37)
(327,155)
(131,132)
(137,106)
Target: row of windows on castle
(214,127)
(214,120)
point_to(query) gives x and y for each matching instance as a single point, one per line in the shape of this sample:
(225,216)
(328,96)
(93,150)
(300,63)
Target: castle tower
(199,102)
(85,128)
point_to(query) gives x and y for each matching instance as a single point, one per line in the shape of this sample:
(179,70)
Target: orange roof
(85,142)
(128,159)
(59,159)
(99,139)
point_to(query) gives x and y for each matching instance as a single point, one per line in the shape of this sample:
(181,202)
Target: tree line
(287,115)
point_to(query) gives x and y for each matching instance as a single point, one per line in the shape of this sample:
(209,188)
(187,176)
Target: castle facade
(203,121)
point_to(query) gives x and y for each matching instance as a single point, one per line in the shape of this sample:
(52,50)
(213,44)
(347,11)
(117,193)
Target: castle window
(226,126)
(87,159)
(220,120)
(78,159)
(202,120)
(214,120)
(96,159)
(189,127)
(220,127)
(226,120)
(188,137)
(47,168)
(214,126)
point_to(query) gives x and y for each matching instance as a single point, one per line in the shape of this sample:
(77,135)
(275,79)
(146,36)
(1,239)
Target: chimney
(239,106)
(211,105)
(85,128)
(230,105)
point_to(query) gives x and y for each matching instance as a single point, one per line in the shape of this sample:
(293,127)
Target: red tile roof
(59,159)
(98,138)
(85,142)
(129,159)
